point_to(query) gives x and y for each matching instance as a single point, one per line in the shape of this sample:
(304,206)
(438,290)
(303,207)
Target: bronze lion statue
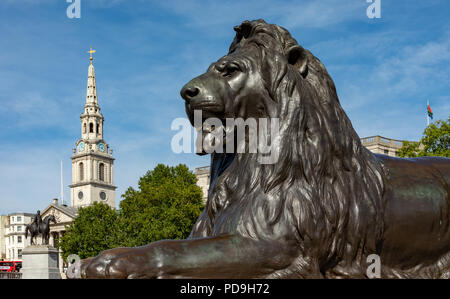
(322,209)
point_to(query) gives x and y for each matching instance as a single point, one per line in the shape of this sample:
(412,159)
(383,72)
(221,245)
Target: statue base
(40,262)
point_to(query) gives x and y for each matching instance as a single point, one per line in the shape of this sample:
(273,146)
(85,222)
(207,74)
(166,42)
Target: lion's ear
(244,29)
(298,57)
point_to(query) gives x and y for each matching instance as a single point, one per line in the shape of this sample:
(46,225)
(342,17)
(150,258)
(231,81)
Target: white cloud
(415,65)
(319,14)
(385,90)
(292,14)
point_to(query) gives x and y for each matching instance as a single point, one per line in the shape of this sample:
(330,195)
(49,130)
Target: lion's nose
(189,92)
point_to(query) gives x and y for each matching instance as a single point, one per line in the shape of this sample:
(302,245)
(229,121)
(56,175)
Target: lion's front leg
(120,263)
(225,256)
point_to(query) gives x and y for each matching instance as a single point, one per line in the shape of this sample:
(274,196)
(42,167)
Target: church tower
(92,161)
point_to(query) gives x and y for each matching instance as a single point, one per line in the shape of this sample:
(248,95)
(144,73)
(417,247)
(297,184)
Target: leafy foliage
(410,149)
(435,142)
(94,230)
(165,206)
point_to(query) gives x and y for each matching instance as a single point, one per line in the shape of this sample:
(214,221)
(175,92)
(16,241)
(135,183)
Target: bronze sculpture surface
(39,227)
(322,209)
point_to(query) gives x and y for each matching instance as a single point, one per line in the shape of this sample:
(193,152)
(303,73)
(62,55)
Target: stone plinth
(40,262)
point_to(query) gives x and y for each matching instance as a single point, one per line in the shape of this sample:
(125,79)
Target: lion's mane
(326,190)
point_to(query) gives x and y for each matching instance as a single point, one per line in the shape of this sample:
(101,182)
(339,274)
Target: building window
(19,218)
(84,128)
(55,240)
(81,169)
(19,239)
(12,219)
(101,172)
(98,129)
(386,152)
(19,253)
(19,228)
(91,128)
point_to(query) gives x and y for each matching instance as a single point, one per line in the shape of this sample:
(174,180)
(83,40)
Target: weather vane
(90,53)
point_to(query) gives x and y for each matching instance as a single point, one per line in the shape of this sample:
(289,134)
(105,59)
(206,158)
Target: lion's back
(417,209)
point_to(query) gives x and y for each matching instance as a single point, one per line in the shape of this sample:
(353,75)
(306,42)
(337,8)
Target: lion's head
(239,84)
(325,183)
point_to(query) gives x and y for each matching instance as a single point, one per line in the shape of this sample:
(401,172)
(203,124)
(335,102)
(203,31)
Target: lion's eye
(230,70)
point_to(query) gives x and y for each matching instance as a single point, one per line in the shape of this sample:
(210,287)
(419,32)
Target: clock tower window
(81,169)
(84,128)
(91,128)
(101,172)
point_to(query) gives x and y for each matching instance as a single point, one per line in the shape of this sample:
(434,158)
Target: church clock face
(81,146)
(101,147)
(80,195)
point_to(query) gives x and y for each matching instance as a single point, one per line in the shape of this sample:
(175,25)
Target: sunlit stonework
(92,161)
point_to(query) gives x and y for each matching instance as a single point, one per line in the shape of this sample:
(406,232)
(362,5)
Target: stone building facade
(3,222)
(64,216)
(15,240)
(382,145)
(203,176)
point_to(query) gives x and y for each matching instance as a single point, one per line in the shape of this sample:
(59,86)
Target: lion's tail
(26,231)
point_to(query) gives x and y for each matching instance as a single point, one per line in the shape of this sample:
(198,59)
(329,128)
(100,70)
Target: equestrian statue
(40,227)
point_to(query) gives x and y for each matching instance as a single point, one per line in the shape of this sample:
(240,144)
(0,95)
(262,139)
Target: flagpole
(62,191)
(428,116)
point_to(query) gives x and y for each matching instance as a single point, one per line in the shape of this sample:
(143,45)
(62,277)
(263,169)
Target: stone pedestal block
(40,262)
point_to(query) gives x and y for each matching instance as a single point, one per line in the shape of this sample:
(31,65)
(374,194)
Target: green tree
(96,228)
(410,149)
(435,142)
(436,139)
(165,206)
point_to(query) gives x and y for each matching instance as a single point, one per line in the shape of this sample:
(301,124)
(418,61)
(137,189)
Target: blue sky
(384,69)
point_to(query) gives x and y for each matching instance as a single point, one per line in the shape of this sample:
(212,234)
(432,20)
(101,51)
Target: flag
(430,112)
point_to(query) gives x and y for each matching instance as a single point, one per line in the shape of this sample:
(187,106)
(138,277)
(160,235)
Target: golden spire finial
(90,53)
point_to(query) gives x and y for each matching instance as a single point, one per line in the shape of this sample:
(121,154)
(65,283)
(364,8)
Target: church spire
(91,119)
(91,94)
(92,160)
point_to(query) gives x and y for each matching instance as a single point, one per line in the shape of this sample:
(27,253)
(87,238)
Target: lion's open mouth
(209,122)
(212,136)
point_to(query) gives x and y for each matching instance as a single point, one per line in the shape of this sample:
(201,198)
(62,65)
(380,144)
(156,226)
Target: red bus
(10,266)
